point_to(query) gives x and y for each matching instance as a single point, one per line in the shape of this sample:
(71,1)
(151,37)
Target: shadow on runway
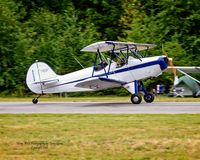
(84,105)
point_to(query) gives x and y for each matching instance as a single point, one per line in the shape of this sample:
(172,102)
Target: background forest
(54,31)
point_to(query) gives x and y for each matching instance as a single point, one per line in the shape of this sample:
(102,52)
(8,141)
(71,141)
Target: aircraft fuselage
(128,73)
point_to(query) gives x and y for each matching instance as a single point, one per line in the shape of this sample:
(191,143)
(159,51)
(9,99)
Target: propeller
(174,69)
(171,66)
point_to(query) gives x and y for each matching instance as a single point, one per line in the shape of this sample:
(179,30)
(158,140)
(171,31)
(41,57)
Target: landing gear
(35,100)
(149,97)
(136,98)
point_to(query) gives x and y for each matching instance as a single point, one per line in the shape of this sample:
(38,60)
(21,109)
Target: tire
(35,100)
(194,95)
(136,99)
(149,98)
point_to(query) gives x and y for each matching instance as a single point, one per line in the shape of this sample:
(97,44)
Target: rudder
(38,74)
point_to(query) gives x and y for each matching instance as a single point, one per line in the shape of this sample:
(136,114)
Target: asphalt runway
(100,108)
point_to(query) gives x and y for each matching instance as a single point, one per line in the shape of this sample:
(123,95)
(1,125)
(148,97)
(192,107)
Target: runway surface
(100,107)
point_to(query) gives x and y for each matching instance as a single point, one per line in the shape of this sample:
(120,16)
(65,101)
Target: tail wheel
(149,98)
(136,99)
(35,100)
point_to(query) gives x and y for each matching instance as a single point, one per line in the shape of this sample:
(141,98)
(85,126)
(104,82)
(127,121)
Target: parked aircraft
(125,66)
(194,82)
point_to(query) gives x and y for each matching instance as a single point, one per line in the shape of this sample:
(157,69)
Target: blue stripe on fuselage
(160,61)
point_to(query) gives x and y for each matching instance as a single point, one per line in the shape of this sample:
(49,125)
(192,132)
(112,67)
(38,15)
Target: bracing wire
(77,60)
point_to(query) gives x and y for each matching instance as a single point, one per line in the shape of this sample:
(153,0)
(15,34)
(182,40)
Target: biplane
(123,66)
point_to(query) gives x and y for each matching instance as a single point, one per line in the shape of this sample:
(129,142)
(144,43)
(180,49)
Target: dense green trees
(174,24)
(171,24)
(43,35)
(104,14)
(55,31)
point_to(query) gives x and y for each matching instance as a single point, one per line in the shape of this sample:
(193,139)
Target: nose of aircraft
(163,61)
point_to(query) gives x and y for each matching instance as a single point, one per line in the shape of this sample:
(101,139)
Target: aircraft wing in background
(185,70)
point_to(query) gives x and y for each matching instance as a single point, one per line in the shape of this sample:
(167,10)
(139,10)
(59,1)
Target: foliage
(46,36)
(55,31)
(171,24)
(58,38)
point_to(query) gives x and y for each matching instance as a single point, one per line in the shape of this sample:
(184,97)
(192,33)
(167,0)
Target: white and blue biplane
(124,66)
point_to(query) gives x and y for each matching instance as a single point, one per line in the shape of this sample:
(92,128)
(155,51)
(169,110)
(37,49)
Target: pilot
(101,65)
(120,62)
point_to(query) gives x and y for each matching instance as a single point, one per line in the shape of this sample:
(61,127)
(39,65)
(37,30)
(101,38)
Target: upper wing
(185,69)
(105,46)
(99,83)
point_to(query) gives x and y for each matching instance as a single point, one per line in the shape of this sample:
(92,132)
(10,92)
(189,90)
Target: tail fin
(40,75)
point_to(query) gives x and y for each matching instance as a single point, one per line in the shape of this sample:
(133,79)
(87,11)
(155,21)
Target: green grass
(116,137)
(96,99)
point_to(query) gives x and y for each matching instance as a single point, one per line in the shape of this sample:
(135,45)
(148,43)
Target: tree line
(55,31)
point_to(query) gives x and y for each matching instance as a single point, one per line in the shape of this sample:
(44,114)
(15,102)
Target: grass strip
(112,137)
(95,99)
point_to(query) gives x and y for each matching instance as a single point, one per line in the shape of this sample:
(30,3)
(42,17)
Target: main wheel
(35,100)
(149,98)
(195,95)
(136,99)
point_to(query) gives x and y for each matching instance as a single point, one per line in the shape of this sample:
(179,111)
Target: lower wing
(99,83)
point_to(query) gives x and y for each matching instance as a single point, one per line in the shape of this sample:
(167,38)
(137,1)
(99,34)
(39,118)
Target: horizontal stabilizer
(46,82)
(99,83)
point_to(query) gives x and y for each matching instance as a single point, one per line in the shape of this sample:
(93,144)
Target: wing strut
(99,53)
(135,54)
